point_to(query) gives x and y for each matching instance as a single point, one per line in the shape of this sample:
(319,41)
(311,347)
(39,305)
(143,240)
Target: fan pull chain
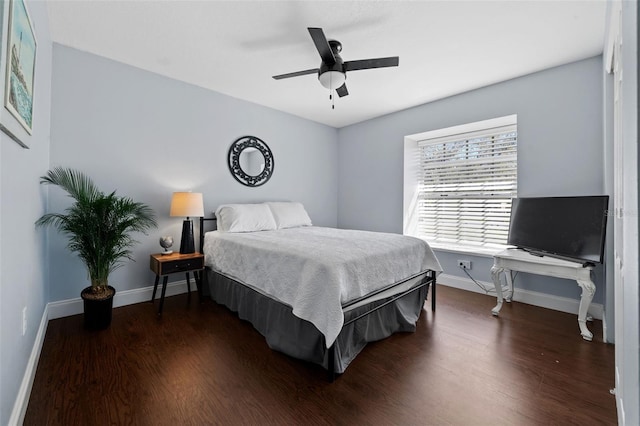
(331,91)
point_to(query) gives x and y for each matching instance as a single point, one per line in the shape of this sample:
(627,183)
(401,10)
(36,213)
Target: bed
(318,294)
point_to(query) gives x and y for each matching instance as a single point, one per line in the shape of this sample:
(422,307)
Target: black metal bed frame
(429,280)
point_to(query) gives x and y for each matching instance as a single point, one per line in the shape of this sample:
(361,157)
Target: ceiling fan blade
(296,74)
(342,90)
(371,63)
(322,45)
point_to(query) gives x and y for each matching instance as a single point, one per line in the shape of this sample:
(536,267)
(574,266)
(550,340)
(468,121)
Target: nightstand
(165,264)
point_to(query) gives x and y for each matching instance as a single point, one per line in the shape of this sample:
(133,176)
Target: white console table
(519,260)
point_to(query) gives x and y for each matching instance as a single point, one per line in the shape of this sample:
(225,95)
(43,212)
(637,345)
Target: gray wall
(146,136)
(560,150)
(23,259)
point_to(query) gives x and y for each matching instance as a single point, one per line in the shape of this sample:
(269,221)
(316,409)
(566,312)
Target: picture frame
(19,47)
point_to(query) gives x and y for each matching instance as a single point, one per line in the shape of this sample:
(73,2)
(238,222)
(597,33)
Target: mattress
(316,270)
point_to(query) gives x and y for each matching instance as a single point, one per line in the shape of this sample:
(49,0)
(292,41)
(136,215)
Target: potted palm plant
(99,228)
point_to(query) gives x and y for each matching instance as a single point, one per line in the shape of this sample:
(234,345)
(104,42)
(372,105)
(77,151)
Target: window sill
(475,251)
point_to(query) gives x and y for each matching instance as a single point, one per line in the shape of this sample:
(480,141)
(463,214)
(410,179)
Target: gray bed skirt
(299,338)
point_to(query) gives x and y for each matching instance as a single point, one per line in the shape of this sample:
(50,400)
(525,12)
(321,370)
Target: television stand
(511,260)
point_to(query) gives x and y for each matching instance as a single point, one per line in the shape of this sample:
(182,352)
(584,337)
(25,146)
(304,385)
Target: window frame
(413,169)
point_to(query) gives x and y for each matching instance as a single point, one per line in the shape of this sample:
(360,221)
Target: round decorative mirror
(250,161)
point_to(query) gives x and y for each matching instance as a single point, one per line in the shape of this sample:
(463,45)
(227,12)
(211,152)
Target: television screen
(571,228)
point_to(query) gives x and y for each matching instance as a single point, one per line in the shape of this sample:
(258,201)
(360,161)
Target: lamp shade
(187,204)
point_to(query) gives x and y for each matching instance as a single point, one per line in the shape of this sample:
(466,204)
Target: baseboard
(22,399)
(557,303)
(65,308)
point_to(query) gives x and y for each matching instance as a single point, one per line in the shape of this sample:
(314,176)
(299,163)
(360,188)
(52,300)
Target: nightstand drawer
(170,264)
(182,265)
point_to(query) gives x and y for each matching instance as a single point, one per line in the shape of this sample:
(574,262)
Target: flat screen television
(571,228)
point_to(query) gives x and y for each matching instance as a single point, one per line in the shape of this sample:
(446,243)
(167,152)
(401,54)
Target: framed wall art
(19,54)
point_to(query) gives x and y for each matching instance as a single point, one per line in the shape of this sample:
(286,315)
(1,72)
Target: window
(463,181)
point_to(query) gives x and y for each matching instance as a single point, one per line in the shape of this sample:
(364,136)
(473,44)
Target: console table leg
(495,274)
(508,275)
(588,290)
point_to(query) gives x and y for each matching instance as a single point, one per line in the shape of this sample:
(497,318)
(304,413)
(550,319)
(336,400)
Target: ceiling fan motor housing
(333,76)
(338,66)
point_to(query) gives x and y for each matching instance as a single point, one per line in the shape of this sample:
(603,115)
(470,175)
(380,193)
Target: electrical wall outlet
(464,264)
(24,320)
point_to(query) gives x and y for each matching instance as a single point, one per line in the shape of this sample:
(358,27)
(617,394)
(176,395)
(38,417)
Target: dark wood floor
(200,364)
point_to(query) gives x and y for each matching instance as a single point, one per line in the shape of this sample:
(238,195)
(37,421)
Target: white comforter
(316,270)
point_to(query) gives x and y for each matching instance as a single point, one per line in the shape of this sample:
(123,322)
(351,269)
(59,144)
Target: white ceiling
(234,47)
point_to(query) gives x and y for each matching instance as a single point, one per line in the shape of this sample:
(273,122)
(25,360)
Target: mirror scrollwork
(250,161)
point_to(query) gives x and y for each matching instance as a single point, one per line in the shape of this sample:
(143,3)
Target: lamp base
(187,244)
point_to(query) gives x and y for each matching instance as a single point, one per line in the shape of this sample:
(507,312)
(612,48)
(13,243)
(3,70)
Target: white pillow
(244,218)
(289,214)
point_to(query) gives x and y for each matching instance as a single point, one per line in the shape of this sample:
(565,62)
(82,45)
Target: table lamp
(187,204)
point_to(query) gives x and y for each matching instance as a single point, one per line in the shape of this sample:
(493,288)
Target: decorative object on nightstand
(187,204)
(166,242)
(163,265)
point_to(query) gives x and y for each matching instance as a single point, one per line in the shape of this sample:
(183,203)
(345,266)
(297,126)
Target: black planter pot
(97,313)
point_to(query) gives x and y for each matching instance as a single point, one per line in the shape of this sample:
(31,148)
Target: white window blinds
(466,184)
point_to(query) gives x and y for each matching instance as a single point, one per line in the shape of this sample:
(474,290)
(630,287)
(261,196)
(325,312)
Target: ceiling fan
(333,70)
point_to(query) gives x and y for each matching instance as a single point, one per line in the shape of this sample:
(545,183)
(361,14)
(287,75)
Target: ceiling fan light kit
(332,79)
(332,72)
